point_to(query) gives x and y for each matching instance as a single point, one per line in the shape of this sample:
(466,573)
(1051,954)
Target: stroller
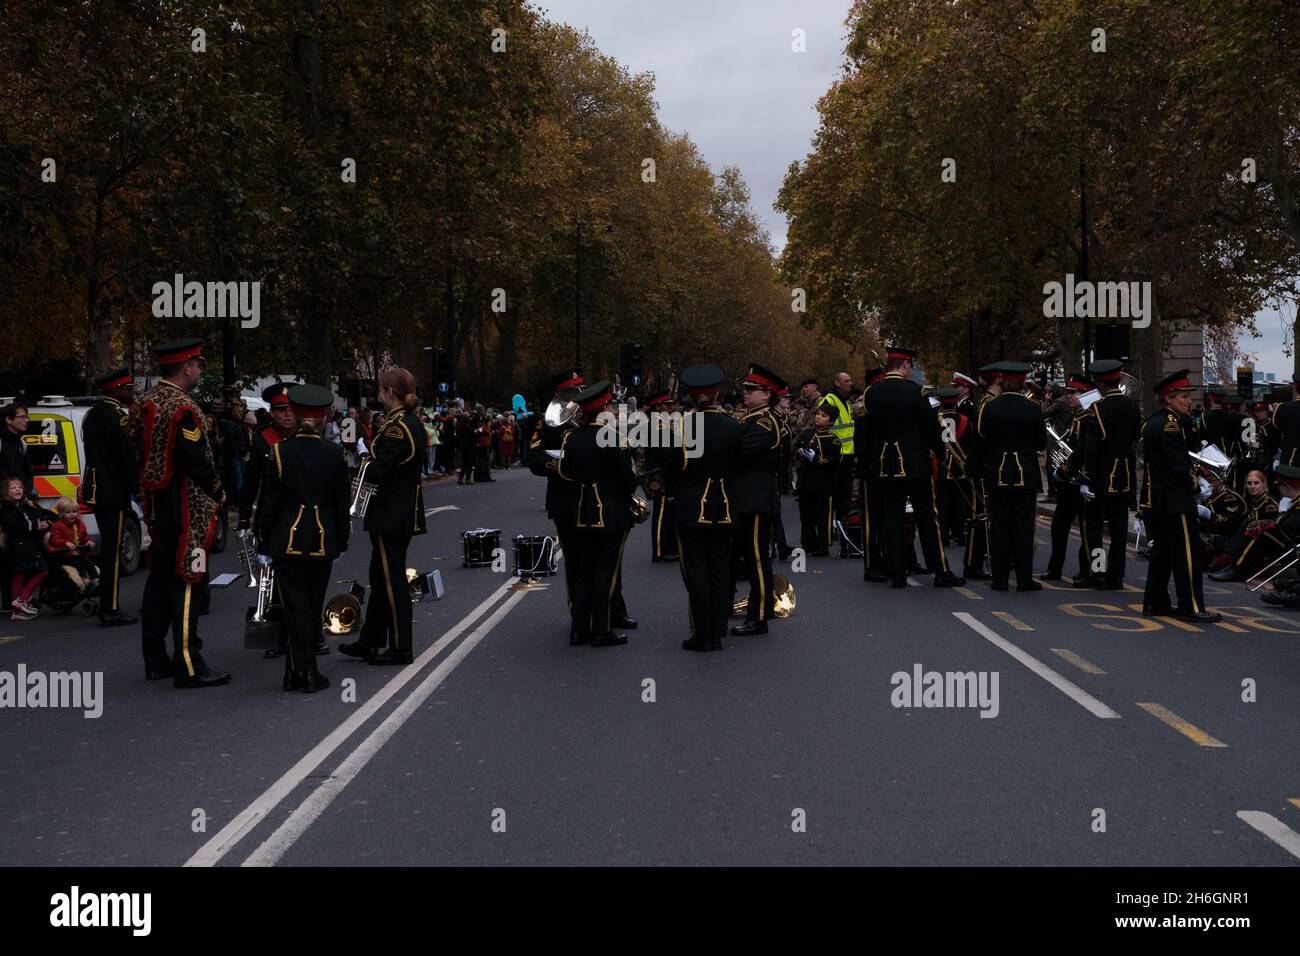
(64,590)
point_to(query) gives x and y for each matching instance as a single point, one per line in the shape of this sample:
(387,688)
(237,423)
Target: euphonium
(1060,454)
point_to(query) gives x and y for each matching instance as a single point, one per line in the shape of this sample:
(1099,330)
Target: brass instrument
(1272,570)
(1212,458)
(265,590)
(1032,390)
(1061,451)
(343,611)
(248,556)
(640,509)
(362,490)
(560,411)
(419,585)
(783,599)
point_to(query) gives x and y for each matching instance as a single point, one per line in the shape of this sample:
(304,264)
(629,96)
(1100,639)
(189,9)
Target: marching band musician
(698,485)
(954,495)
(606,481)
(1070,505)
(1012,433)
(394,515)
(819,453)
(1237,543)
(1170,502)
(663,533)
(1286,425)
(754,497)
(784,463)
(874,566)
(1110,468)
(109,482)
(902,431)
(182,492)
(977,536)
(259,457)
(303,524)
(965,386)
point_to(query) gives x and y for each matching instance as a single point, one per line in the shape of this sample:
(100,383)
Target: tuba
(1212,458)
(362,490)
(560,412)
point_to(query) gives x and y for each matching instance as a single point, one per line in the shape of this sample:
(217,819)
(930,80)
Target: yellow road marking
(1171,621)
(1015,622)
(16,637)
(1294,801)
(968,593)
(1190,731)
(1077,661)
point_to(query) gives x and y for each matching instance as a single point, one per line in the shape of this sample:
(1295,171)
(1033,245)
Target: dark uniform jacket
(817,477)
(901,430)
(1260,506)
(1227,512)
(1012,432)
(1286,420)
(110,475)
(1171,485)
(753,487)
(561,492)
(1222,427)
(700,486)
(259,458)
(954,466)
(306,492)
(1112,427)
(604,478)
(396,462)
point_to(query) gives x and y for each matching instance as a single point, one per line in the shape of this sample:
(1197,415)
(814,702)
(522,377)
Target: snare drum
(534,556)
(479,545)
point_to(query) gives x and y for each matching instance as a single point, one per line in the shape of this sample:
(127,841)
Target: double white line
(315,804)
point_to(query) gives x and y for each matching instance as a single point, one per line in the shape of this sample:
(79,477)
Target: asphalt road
(503,745)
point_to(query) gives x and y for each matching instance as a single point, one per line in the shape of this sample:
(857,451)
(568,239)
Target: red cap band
(1175,384)
(308,411)
(600,401)
(569,383)
(280,400)
(1109,376)
(117,383)
(898,355)
(1014,377)
(755,378)
(184,355)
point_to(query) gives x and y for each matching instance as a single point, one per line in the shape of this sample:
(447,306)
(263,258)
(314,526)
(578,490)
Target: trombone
(1271,571)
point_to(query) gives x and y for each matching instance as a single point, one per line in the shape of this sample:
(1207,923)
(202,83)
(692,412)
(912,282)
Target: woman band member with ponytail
(395,513)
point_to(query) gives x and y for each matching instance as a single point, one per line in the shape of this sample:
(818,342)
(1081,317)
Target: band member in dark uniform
(965,386)
(606,481)
(182,492)
(874,566)
(1069,496)
(303,524)
(902,432)
(977,536)
(259,458)
(1169,498)
(561,493)
(819,457)
(663,526)
(394,515)
(1286,428)
(699,483)
(781,411)
(109,482)
(1012,433)
(956,499)
(753,496)
(1110,467)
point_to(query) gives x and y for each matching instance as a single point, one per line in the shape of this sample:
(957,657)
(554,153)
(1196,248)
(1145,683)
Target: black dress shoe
(1050,576)
(1230,573)
(1029,586)
(750,628)
(917,569)
(576,639)
(948,580)
(624,622)
(898,582)
(692,644)
(1202,617)
(389,656)
(322,647)
(293,680)
(608,640)
(1110,586)
(667,557)
(157,673)
(314,681)
(1000,586)
(875,577)
(273,652)
(356,649)
(1167,611)
(975,574)
(210,679)
(784,554)
(1080,583)
(116,619)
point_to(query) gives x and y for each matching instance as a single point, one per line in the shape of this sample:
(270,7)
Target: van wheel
(131,546)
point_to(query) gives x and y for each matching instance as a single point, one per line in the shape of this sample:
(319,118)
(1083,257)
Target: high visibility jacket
(842,423)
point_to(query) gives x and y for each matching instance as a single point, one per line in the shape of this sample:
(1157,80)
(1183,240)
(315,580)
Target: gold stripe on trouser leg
(938,535)
(1245,551)
(117,558)
(568,595)
(1187,546)
(613,583)
(388,586)
(658,549)
(681,566)
(185,631)
(758,571)
(830,519)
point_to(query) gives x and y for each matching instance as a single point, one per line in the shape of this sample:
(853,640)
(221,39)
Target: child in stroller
(25,528)
(74,576)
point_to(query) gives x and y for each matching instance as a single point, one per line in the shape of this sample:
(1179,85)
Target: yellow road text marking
(1015,622)
(1189,731)
(1077,661)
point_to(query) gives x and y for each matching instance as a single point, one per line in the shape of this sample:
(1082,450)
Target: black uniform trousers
(597,557)
(751,560)
(954,502)
(706,572)
(1011,527)
(663,530)
(778,525)
(873,527)
(302,586)
(566,531)
(816,519)
(895,493)
(977,534)
(1110,511)
(844,484)
(171,603)
(389,620)
(1070,507)
(1176,550)
(112,526)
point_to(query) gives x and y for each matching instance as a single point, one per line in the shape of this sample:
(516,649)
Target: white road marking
(279,842)
(16,637)
(434,511)
(1066,687)
(234,831)
(1273,828)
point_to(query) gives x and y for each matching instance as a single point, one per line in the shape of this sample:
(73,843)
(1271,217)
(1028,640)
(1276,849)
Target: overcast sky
(726,76)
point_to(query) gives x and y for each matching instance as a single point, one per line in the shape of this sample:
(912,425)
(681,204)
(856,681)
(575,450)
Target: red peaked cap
(764,378)
(596,397)
(661,397)
(181,350)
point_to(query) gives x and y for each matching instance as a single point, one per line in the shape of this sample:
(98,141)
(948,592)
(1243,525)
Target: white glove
(1206,490)
(1285,504)
(807,453)
(1204,512)
(1086,492)
(1277,460)
(1137,525)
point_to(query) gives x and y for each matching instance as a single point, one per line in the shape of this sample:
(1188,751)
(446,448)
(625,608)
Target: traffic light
(444,372)
(629,365)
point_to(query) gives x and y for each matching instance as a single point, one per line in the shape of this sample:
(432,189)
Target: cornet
(362,490)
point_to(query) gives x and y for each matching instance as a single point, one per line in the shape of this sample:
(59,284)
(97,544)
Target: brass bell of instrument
(640,509)
(783,598)
(342,614)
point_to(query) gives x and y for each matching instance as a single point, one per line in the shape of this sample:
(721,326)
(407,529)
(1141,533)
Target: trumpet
(265,590)
(362,490)
(248,556)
